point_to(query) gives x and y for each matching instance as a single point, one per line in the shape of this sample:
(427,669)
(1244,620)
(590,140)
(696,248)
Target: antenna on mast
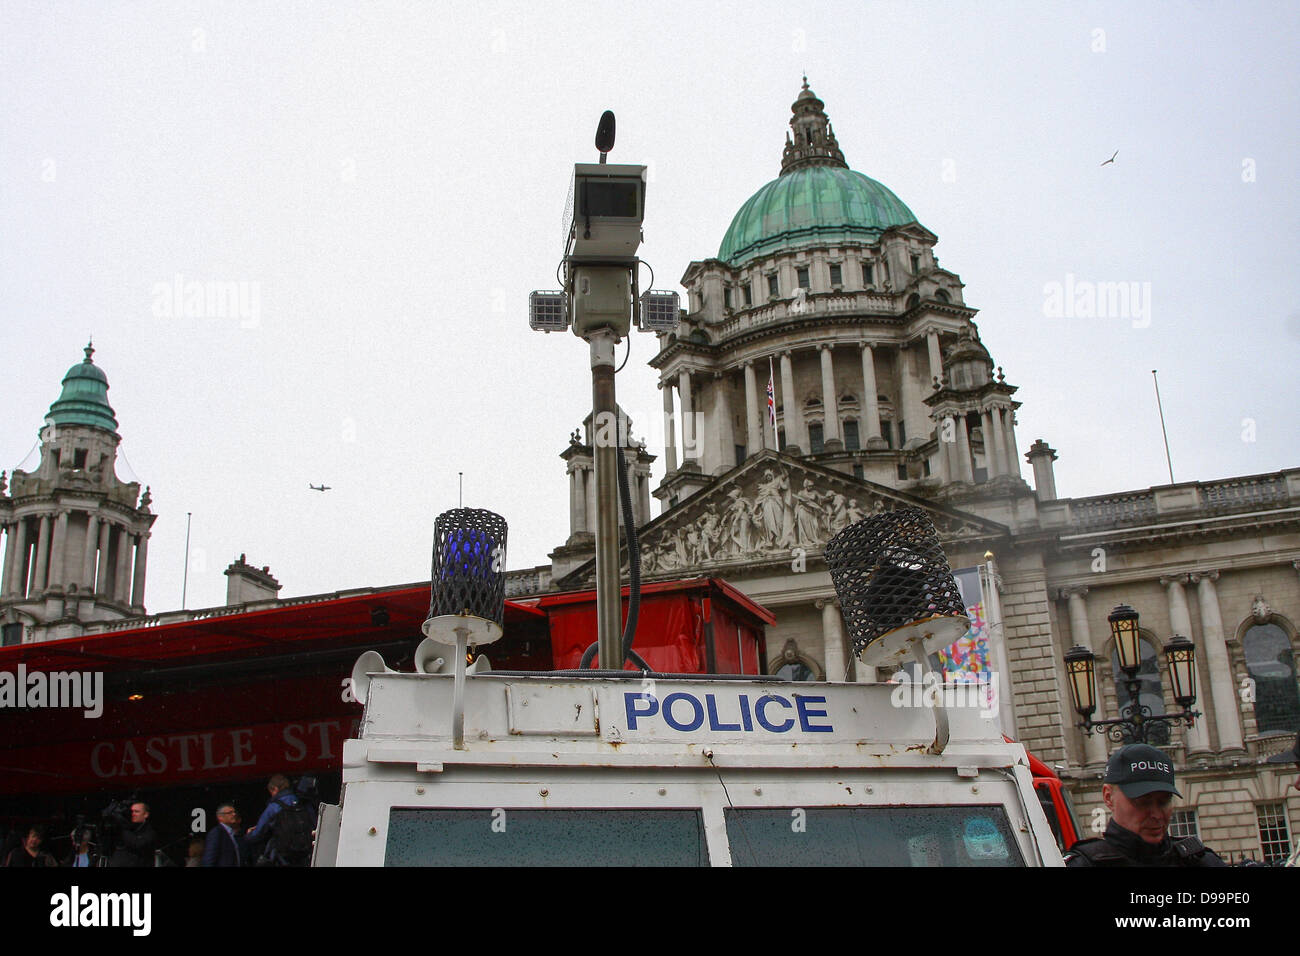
(185,579)
(461,502)
(1168,460)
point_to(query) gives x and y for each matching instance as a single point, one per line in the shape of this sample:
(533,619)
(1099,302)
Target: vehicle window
(1069,812)
(561,837)
(871,836)
(1044,791)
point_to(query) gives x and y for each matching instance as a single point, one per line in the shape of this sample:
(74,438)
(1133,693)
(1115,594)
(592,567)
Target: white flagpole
(771,405)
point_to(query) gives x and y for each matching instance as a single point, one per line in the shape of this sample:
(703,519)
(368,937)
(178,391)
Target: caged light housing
(548,311)
(659,311)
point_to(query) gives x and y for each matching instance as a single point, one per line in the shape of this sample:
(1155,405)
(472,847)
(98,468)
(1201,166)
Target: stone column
(833,638)
(936,362)
(986,429)
(7,575)
(644,498)
(999,446)
(721,429)
(1094,745)
(137,583)
(965,464)
(753,424)
(57,548)
(1223,693)
(830,404)
(1180,622)
(122,584)
(86,582)
(670,443)
(589,495)
(42,557)
(908,400)
(794,432)
(104,579)
(577,507)
(1013,453)
(945,450)
(18,583)
(871,404)
(690,434)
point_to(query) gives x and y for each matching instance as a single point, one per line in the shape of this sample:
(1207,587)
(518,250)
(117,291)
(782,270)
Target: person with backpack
(283,834)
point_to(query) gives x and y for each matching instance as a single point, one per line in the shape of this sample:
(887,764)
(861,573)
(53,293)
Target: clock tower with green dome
(76,535)
(827,285)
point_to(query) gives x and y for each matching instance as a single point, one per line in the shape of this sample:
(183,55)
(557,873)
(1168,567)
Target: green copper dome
(84,400)
(814,205)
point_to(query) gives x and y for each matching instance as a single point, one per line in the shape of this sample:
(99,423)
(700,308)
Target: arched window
(942,296)
(1271,665)
(1151,693)
(794,665)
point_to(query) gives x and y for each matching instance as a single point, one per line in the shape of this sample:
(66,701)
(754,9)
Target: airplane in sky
(321,487)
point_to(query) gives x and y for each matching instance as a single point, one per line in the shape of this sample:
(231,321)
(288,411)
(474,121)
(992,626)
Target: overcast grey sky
(388,179)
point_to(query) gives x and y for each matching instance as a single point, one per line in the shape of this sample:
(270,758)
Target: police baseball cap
(1287,756)
(1139,769)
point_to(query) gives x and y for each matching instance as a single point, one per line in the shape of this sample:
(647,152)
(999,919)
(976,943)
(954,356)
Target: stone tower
(76,536)
(579,458)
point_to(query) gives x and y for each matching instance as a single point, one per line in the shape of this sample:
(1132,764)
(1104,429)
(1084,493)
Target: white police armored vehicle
(458,765)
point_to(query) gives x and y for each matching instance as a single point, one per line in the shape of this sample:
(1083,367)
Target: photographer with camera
(85,850)
(134,839)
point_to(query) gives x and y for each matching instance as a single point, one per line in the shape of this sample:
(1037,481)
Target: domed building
(826,285)
(826,367)
(76,535)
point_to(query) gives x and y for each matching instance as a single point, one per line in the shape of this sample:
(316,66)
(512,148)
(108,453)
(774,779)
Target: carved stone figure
(709,525)
(777,515)
(739,527)
(808,514)
(837,514)
(854,513)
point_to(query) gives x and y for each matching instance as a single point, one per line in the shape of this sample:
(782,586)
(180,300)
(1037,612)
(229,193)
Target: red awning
(217,635)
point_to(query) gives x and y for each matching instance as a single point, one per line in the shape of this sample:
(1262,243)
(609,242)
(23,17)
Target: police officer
(1138,791)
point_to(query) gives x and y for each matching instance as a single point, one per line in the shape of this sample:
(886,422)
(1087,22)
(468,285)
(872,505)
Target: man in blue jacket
(272,836)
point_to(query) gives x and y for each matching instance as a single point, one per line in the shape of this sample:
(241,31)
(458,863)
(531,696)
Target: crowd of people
(126,838)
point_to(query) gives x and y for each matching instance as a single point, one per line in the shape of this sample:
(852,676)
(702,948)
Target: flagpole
(1168,461)
(771,401)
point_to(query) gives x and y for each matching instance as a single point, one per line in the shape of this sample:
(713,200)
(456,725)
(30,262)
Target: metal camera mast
(600,302)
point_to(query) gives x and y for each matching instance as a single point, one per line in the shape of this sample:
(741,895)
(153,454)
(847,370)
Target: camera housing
(606,208)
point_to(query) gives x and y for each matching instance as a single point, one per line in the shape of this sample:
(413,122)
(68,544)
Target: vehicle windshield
(562,837)
(871,836)
(766,836)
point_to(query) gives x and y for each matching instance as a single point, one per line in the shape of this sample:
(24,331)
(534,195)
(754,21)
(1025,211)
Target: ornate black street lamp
(1135,720)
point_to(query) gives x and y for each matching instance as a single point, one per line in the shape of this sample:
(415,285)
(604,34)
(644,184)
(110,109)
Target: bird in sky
(321,487)
(1112,158)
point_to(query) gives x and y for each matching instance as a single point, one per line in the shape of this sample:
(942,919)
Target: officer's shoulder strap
(1097,852)
(1192,852)
(1190,848)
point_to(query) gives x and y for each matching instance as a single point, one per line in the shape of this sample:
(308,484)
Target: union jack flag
(771,393)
